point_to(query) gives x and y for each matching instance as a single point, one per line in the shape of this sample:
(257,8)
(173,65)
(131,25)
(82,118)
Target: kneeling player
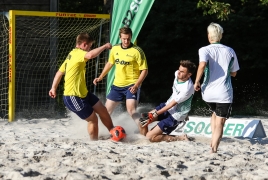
(175,110)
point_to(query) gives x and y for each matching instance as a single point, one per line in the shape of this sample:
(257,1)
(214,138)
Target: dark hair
(125,30)
(189,65)
(84,37)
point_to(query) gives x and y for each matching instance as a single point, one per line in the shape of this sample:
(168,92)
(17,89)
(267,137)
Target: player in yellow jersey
(76,96)
(130,71)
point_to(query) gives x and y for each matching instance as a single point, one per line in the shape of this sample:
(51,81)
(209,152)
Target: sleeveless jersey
(74,69)
(182,93)
(128,64)
(221,60)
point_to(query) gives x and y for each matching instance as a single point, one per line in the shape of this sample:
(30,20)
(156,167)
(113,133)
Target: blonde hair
(215,32)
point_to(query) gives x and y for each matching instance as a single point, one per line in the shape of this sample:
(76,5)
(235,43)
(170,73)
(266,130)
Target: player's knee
(150,137)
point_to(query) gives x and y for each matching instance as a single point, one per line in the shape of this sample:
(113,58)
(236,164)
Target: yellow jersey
(74,69)
(128,64)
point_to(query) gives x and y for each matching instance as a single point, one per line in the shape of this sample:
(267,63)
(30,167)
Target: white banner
(233,128)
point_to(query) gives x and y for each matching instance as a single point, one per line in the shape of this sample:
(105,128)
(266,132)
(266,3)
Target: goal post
(38,44)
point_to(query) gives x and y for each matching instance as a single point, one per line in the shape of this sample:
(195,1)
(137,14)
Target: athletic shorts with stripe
(83,107)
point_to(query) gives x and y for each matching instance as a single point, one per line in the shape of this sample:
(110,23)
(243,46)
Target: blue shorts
(167,123)
(83,107)
(121,93)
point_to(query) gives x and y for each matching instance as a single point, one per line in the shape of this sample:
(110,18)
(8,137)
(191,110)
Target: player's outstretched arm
(95,52)
(52,93)
(105,70)
(147,118)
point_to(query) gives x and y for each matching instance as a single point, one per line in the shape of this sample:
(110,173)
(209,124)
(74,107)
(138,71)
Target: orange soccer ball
(117,133)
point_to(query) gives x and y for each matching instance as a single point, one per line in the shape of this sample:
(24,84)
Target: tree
(221,9)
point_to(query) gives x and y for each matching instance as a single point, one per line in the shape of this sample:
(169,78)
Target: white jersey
(183,94)
(217,85)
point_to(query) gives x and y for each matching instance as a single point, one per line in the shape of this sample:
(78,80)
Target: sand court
(61,149)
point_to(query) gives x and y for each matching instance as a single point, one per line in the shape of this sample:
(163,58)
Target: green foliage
(264,2)
(220,9)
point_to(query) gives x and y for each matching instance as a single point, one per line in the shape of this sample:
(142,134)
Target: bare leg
(213,126)
(217,134)
(92,127)
(111,105)
(131,108)
(105,117)
(155,135)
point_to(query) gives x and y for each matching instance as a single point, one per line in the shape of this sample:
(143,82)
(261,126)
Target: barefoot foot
(183,137)
(212,151)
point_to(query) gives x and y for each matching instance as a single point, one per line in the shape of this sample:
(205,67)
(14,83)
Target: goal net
(4,26)
(38,44)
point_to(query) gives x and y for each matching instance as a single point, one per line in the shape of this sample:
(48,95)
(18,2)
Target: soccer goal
(33,46)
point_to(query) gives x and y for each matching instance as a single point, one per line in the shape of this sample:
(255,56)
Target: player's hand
(108,46)
(133,89)
(52,93)
(96,80)
(197,86)
(146,119)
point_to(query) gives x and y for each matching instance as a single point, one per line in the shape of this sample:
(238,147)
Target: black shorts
(221,109)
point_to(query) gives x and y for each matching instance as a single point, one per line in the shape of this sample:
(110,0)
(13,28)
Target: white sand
(61,149)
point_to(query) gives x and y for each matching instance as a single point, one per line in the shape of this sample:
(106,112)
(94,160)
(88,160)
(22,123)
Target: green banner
(131,13)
